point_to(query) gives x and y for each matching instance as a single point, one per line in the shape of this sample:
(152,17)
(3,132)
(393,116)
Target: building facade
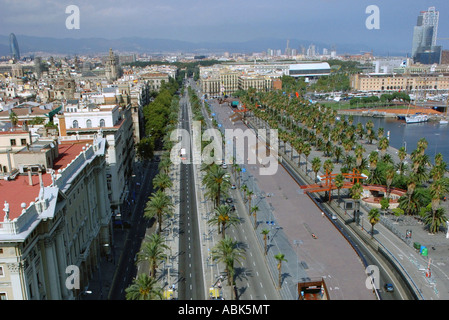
(54,232)
(436,83)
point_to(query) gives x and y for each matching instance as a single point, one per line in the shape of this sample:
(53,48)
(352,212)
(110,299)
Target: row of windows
(13,142)
(75,123)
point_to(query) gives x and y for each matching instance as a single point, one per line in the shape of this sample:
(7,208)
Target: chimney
(41,182)
(30,179)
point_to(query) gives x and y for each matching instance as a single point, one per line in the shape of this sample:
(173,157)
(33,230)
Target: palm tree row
(306,127)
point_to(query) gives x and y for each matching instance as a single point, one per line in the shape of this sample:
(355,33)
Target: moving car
(389,287)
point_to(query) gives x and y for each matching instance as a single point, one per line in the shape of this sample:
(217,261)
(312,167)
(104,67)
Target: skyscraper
(14,47)
(430,18)
(424,48)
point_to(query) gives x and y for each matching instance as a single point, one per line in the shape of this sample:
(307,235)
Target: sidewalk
(102,278)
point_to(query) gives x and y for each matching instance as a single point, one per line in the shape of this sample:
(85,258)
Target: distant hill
(30,44)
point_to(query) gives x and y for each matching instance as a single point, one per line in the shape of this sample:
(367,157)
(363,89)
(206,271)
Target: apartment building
(56,222)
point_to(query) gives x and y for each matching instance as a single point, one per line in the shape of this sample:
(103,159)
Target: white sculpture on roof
(6,209)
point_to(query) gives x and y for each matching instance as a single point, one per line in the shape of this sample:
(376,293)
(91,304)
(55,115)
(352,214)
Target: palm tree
(390,172)
(328,166)
(422,145)
(159,205)
(228,252)
(144,287)
(316,166)
(338,152)
(402,154)
(265,233)
(164,165)
(433,219)
(249,196)
(254,210)
(359,151)
(162,181)
(13,118)
(280,257)
(306,149)
(437,189)
(339,183)
(383,146)
(374,217)
(356,194)
(369,131)
(223,217)
(216,182)
(153,251)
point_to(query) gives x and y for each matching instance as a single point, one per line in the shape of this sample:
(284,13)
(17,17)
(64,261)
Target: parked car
(229,200)
(232,207)
(389,287)
(233,186)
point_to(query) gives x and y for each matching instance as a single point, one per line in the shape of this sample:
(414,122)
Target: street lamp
(297,243)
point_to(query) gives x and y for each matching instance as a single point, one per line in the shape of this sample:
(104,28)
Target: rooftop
(19,190)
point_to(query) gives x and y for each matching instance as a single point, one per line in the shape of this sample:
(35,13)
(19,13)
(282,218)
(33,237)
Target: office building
(14,47)
(424,48)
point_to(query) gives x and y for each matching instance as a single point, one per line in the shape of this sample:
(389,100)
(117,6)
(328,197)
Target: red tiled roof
(17,191)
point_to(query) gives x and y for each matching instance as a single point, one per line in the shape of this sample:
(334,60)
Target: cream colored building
(55,225)
(409,83)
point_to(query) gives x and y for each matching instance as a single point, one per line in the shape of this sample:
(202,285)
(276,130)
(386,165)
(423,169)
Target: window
(13,142)
(88,123)
(3,296)
(102,123)
(75,123)
(23,142)
(1,272)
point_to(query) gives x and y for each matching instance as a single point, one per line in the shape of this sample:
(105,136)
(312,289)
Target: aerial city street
(252,152)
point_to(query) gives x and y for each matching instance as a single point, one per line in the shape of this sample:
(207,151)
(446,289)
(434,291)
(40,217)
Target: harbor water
(408,135)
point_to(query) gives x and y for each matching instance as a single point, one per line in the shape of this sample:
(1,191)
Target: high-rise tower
(14,47)
(424,48)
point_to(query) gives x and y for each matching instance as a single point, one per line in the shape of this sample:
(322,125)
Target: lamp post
(297,243)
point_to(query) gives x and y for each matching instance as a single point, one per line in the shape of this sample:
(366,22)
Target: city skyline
(333,23)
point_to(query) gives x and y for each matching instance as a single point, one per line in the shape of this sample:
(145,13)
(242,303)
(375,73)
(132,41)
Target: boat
(416,118)
(444,121)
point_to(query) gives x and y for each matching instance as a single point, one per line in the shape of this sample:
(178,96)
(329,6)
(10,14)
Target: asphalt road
(253,280)
(191,282)
(127,269)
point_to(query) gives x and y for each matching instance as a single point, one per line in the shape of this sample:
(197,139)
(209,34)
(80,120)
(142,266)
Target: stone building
(56,224)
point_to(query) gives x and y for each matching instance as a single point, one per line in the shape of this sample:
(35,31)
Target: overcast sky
(328,21)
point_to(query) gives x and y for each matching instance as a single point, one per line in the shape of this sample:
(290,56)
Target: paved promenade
(390,236)
(295,218)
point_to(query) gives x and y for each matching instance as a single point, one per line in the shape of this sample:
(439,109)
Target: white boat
(444,121)
(416,118)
